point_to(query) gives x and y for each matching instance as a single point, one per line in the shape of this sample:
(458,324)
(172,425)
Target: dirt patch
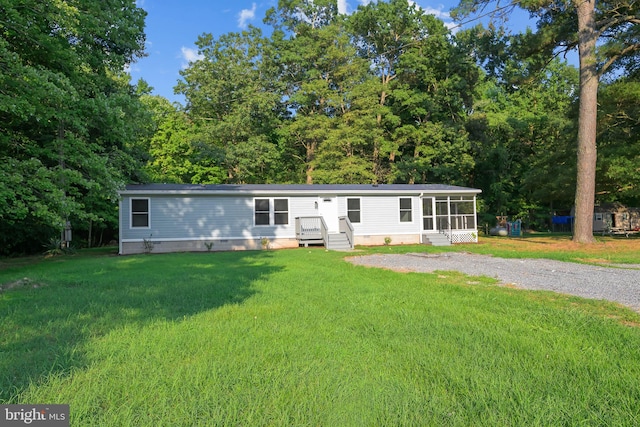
(20,284)
(594,261)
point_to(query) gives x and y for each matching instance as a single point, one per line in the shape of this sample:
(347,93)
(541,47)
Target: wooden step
(338,242)
(436,239)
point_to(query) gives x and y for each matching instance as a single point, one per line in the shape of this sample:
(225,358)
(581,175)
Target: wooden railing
(347,228)
(311,228)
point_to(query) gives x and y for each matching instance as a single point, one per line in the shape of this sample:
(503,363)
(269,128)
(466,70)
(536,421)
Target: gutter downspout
(419,226)
(120,225)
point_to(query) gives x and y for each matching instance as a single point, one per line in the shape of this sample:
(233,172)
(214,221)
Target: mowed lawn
(302,337)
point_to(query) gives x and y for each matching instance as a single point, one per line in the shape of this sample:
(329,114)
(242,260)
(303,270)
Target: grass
(301,337)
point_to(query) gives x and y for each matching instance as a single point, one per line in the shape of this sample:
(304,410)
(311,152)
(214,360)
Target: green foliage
(523,144)
(69,122)
(619,142)
(233,101)
(332,99)
(605,35)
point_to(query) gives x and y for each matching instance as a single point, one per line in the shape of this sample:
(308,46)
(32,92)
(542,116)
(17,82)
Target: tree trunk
(587,154)
(311,154)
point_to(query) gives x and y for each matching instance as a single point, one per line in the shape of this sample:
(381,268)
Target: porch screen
(462,213)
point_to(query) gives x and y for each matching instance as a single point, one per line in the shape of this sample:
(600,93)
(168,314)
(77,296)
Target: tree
(566,25)
(67,114)
(176,153)
(619,142)
(234,100)
(521,138)
(424,87)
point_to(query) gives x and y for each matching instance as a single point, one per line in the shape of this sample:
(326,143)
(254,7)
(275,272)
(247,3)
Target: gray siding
(220,217)
(380,215)
(206,217)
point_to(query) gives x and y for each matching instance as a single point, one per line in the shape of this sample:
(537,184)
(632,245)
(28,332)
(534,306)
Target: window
(353,210)
(281,211)
(271,211)
(261,211)
(405,210)
(140,213)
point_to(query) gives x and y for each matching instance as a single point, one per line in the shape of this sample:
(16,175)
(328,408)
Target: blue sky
(173,26)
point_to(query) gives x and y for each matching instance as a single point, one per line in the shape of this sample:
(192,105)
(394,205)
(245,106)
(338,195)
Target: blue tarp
(562,220)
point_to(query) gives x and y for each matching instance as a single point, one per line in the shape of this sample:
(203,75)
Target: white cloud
(189,55)
(342,7)
(246,15)
(452,26)
(131,68)
(438,13)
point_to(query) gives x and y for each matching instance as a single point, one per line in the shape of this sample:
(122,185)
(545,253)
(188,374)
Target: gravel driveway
(620,284)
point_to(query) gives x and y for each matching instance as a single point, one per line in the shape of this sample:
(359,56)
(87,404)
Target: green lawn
(301,337)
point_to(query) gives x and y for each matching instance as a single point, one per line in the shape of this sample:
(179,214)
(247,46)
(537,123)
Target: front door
(428,217)
(328,209)
(442,213)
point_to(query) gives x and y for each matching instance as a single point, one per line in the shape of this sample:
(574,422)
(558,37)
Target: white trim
(400,221)
(268,212)
(272,212)
(433,212)
(148,199)
(120,226)
(346,207)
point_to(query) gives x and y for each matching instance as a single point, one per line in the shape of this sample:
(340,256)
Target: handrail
(347,228)
(312,227)
(447,232)
(325,231)
(315,228)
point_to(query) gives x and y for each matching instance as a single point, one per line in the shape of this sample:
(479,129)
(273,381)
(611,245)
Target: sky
(173,26)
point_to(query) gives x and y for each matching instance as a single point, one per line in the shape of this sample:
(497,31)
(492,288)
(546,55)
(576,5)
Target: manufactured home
(179,217)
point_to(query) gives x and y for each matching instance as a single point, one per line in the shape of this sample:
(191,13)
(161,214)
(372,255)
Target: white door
(428,216)
(328,209)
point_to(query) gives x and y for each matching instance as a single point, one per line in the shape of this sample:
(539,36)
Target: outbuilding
(616,218)
(182,217)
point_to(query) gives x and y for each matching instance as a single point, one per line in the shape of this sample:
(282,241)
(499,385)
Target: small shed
(616,218)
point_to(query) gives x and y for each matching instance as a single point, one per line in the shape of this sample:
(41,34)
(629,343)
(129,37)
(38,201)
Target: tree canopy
(605,34)
(69,118)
